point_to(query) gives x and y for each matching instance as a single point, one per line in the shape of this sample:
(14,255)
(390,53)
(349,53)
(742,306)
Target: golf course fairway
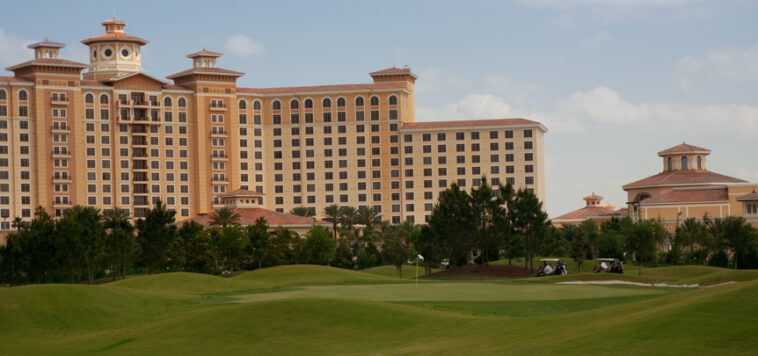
(312,310)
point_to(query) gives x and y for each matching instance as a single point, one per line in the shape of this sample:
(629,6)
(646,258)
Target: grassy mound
(409,272)
(294,275)
(183,284)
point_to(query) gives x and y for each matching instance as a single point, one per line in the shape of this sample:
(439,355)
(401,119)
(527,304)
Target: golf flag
(420,257)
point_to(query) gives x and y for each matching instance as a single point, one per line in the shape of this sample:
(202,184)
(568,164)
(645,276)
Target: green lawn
(325,311)
(409,272)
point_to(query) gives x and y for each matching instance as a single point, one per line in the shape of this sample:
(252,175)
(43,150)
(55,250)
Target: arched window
(3,94)
(359,101)
(374,101)
(340,102)
(256,105)
(104,98)
(89,98)
(243,105)
(393,100)
(276,105)
(699,162)
(670,164)
(684,163)
(182,102)
(327,103)
(167,102)
(294,104)
(308,104)
(23,95)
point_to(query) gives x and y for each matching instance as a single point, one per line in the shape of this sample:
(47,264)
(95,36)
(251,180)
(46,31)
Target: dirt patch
(482,272)
(657,284)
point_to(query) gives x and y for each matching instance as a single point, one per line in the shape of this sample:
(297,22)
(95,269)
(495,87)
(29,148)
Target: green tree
(319,247)
(591,236)
(741,238)
(348,217)
(504,222)
(230,243)
(369,218)
(260,241)
(343,257)
(452,222)
(333,214)
(426,244)
(642,240)
(394,252)
(156,235)
(224,217)
(531,221)
(486,210)
(196,247)
(119,241)
(576,238)
(303,211)
(88,236)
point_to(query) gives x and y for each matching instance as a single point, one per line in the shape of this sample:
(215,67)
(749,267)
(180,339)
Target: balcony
(57,129)
(61,153)
(141,201)
(61,178)
(139,165)
(140,177)
(219,157)
(140,189)
(139,141)
(59,100)
(62,202)
(216,107)
(139,152)
(218,132)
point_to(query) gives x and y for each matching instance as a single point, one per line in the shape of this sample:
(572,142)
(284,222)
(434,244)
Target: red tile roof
(684,148)
(114,36)
(588,212)
(113,22)
(248,216)
(206,70)
(241,192)
(93,83)
(593,196)
(393,71)
(466,123)
(121,77)
(689,196)
(748,197)
(175,87)
(14,80)
(683,178)
(323,88)
(204,53)
(48,62)
(47,43)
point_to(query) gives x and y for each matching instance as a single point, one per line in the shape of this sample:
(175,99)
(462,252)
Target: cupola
(684,157)
(113,53)
(46,49)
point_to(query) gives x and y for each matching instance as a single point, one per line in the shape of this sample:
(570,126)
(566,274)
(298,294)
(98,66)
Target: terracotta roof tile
(14,80)
(466,123)
(175,87)
(684,148)
(586,213)
(93,83)
(47,43)
(204,53)
(248,216)
(393,71)
(748,197)
(683,178)
(323,88)
(593,196)
(113,22)
(206,70)
(114,36)
(689,196)
(48,62)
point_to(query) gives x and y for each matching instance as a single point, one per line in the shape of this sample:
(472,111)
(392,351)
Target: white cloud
(598,40)
(563,4)
(726,63)
(13,50)
(244,46)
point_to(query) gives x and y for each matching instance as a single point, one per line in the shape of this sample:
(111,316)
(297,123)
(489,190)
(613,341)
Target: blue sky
(615,81)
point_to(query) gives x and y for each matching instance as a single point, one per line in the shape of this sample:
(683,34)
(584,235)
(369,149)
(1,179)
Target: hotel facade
(106,134)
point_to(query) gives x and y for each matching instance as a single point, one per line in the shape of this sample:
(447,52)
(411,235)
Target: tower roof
(684,148)
(46,43)
(392,71)
(204,53)
(593,196)
(114,31)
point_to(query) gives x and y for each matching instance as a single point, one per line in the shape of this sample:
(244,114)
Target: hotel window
(685,164)
(460,136)
(88,98)
(699,162)
(359,113)
(326,103)
(527,133)
(104,99)
(528,168)
(167,102)
(276,105)
(529,180)
(475,135)
(182,102)
(509,146)
(528,145)
(509,134)
(256,105)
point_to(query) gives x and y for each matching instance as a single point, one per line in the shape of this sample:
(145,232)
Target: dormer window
(670,164)
(699,162)
(684,163)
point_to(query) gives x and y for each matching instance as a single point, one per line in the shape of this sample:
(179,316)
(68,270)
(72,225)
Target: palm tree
(332,214)
(224,217)
(369,218)
(18,223)
(303,211)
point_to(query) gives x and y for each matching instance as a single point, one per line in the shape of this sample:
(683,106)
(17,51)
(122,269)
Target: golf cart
(608,265)
(551,267)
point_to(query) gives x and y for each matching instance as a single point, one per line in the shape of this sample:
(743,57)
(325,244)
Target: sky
(614,81)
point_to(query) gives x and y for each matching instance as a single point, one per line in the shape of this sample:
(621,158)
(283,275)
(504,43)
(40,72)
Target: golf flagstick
(417,258)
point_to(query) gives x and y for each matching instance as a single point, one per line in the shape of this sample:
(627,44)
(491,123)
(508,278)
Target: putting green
(451,292)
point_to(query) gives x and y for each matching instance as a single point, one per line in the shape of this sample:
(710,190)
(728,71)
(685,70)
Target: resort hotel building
(105,134)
